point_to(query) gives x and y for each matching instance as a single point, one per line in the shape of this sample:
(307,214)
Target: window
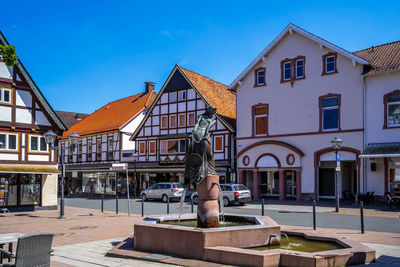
(163,147)
(182,120)
(8,141)
(330,112)
(5,95)
(329,63)
(172,121)
(173,146)
(287,71)
(259,77)
(181,95)
(98,157)
(37,144)
(191,119)
(392,109)
(152,147)
(172,97)
(142,148)
(110,149)
(89,149)
(219,143)
(260,120)
(164,122)
(70,154)
(299,68)
(182,146)
(80,151)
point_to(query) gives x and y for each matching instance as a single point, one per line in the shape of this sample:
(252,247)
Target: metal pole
(314,216)
(102,203)
(337,181)
(127,191)
(135,185)
(116,195)
(362,216)
(142,207)
(62,185)
(262,207)
(192,205)
(167,205)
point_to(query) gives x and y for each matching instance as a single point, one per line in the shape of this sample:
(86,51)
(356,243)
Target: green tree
(7,52)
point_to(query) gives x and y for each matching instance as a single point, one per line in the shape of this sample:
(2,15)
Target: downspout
(364,160)
(233,148)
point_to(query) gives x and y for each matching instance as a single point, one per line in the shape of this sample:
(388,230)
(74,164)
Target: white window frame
(172,96)
(176,121)
(326,64)
(139,143)
(180,93)
(387,112)
(161,125)
(302,76)
(255,122)
(7,142)
(329,108)
(284,70)
(188,118)
(155,149)
(262,83)
(2,90)
(166,148)
(184,120)
(38,150)
(215,143)
(89,150)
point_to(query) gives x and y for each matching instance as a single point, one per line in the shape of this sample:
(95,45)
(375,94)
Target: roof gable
(35,89)
(289,30)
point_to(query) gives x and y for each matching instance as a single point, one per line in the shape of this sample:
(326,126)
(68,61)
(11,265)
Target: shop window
(392,109)
(330,112)
(219,143)
(329,63)
(259,77)
(164,122)
(191,119)
(260,120)
(8,141)
(37,144)
(182,120)
(172,121)
(5,96)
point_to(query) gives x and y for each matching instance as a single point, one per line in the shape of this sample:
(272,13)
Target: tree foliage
(7,52)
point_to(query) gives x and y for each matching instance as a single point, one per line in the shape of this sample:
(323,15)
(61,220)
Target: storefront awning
(381,150)
(28,169)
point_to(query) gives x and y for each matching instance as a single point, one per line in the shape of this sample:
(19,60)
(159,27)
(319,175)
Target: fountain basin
(155,234)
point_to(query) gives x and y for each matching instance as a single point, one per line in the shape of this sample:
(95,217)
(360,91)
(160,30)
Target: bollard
(262,207)
(102,203)
(142,207)
(362,216)
(167,205)
(116,203)
(192,206)
(314,216)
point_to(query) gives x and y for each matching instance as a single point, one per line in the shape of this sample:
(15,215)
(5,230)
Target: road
(286,218)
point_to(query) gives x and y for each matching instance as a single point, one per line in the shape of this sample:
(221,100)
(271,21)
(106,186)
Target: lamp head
(337,143)
(50,137)
(74,138)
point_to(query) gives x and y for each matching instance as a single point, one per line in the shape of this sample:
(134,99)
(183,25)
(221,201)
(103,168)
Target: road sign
(337,157)
(119,166)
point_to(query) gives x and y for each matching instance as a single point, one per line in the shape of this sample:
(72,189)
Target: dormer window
(329,63)
(259,77)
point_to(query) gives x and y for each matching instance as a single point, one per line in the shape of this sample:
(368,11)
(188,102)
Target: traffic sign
(119,166)
(337,157)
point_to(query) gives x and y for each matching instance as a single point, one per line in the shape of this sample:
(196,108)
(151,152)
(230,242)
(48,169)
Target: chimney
(149,86)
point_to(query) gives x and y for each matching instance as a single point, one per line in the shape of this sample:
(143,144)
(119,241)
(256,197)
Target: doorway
(327,182)
(290,183)
(269,185)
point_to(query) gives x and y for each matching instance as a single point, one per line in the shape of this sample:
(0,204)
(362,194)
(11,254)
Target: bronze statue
(200,156)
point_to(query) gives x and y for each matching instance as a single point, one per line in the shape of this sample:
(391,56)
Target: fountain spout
(273,240)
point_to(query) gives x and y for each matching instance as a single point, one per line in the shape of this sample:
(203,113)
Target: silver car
(232,193)
(163,191)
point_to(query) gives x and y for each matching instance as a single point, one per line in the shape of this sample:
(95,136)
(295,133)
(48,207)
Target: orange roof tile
(217,94)
(385,57)
(113,115)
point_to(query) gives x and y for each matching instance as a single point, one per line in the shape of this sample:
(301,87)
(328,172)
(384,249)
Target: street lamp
(135,156)
(50,138)
(337,144)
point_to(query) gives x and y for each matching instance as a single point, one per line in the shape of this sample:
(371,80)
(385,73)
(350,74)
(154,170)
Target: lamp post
(50,138)
(135,156)
(337,144)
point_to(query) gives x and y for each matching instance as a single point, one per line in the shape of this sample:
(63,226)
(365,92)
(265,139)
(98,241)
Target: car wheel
(196,200)
(164,198)
(242,203)
(144,197)
(226,202)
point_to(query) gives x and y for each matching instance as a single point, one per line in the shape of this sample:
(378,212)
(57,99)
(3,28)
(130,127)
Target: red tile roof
(217,94)
(385,57)
(113,115)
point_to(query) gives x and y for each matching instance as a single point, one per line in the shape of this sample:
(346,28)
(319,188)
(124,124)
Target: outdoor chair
(390,200)
(32,251)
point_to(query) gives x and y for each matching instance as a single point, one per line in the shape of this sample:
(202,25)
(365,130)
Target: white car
(163,191)
(233,193)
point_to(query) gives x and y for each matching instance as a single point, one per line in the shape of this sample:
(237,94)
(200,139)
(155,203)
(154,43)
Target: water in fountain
(181,204)
(273,240)
(285,235)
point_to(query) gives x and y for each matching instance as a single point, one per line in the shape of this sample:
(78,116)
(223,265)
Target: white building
(292,100)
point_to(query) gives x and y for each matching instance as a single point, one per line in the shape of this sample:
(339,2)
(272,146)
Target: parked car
(232,194)
(163,191)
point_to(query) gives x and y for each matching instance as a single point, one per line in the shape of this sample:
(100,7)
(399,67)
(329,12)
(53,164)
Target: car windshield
(240,187)
(179,186)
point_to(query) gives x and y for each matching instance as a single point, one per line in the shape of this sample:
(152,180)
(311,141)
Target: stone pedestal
(208,208)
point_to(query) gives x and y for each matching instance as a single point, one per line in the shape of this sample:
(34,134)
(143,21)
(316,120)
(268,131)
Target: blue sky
(83,54)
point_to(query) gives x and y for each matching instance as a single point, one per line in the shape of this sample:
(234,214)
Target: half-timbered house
(162,137)
(105,140)
(28,168)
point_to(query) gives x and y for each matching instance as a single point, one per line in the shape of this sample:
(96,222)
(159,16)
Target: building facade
(299,94)
(162,137)
(28,168)
(105,141)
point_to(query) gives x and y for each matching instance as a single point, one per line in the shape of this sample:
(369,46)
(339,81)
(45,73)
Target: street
(325,220)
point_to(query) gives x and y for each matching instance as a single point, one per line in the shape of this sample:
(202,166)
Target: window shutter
(261,125)
(218,143)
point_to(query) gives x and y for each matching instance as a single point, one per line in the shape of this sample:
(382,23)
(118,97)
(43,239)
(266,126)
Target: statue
(200,156)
